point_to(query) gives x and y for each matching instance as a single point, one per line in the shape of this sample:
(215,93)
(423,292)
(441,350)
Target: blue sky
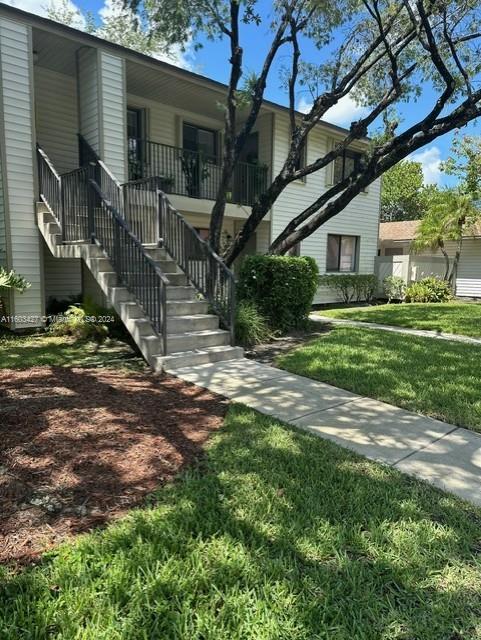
(211,61)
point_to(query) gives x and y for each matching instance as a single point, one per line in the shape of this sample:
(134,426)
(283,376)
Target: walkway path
(388,327)
(444,455)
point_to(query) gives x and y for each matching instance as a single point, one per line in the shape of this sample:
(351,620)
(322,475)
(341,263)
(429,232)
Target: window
(342,252)
(393,251)
(346,164)
(200,140)
(302,159)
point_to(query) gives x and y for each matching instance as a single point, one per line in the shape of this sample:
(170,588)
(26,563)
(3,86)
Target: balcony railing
(192,173)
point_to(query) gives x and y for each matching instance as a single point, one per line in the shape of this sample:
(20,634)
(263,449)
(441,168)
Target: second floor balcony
(193,173)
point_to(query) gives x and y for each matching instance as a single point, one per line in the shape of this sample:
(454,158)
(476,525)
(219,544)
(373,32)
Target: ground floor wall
(3,234)
(62,278)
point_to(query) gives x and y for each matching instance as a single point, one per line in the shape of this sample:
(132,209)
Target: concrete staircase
(193,334)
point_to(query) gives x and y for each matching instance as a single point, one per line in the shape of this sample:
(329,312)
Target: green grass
(278,536)
(454,317)
(22,352)
(435,377)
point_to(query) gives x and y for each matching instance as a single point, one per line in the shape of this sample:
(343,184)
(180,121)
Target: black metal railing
(50,185)
(134,268)
(75,206)
(192,173)
(202,266)
(141,208)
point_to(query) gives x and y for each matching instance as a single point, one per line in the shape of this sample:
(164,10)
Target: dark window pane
(345,165)
(333,246)
(190,137)
(338,172)
(206,143)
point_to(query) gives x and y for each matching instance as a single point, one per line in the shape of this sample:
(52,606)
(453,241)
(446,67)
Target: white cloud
(40,7)
(342,113)
(430,159)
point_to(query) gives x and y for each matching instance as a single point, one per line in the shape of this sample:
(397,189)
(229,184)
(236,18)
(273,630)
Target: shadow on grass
(22,352)
(279,536)
(437,379)
(458,318)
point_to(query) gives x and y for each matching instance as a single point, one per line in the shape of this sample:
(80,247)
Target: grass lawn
(22,352)
(437,378)
(277,535)
(463,318)
(454,317)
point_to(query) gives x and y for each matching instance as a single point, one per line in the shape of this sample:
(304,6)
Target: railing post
(62,208)
(160,225)
(91,201)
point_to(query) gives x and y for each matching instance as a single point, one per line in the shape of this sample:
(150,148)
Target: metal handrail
(49,185)
(132,265)
(202,266)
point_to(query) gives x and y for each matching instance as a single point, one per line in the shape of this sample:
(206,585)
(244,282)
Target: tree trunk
(446,259)
(454,270)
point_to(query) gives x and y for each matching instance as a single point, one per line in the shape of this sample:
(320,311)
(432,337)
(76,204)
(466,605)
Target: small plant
(79,325)
(251,327)
(10,281)
(429,289)
(351,287)
(394,288)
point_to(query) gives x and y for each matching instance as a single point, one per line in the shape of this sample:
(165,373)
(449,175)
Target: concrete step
(119,294)
(196,356)
(139,328)
(196,340)
(197,322)
(183,293)
(176,279)
(130,310)
(185,307)
(156,253)
(106,278)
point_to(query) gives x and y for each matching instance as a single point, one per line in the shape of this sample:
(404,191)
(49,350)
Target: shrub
(79,325)
(352,286)
(9,280)
(394,288)
(281,287)
(251,327)
(430,289)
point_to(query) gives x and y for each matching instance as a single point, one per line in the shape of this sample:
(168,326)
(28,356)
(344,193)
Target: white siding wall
(62,276)
(360,217)
(468,283)
(57,117)
(3,239)
(88,90)
(16,71)
(113,115)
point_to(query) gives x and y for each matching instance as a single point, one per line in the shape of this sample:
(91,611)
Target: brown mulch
(268,352)
(80,447)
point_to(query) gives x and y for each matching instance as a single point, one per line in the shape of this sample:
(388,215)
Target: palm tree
(451,215)
(10,281)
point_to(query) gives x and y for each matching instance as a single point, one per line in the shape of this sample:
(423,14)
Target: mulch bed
(79,447)
(268,352)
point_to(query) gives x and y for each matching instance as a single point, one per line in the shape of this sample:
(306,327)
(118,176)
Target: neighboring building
(394,249)
(143,118)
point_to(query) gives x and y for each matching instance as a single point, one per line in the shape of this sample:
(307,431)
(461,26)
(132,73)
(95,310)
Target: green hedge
(281,287)
(352,286)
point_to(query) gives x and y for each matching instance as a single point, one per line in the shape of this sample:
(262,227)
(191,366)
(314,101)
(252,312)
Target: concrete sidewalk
(422,333)
(448,457)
